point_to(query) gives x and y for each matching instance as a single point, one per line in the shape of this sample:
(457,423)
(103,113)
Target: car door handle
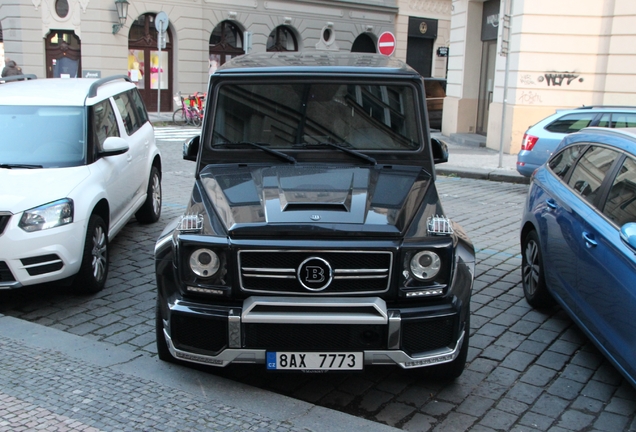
(551,203)
(589,241)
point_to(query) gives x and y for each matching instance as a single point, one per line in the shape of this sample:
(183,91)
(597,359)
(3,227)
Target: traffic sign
(386,43)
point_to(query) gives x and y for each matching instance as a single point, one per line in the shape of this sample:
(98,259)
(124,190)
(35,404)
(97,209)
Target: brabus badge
(315,217)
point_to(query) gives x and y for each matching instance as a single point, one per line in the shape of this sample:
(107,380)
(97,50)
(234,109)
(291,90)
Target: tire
(162,346)
(532,272)
(150,211)
(94,269)
(179,117)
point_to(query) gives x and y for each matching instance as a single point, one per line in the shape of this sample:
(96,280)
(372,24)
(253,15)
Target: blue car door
(607,271)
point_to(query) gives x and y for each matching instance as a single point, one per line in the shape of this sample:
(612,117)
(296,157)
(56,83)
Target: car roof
(58,91)
(623,138)
(320,62)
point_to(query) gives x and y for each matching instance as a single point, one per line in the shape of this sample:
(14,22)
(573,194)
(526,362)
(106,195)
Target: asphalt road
(527,370)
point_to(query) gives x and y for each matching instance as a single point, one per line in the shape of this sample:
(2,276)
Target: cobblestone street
(527,369)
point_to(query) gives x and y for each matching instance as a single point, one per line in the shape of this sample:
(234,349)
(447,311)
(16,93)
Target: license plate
(315,361)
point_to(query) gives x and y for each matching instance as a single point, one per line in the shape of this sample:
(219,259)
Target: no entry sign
(386,43)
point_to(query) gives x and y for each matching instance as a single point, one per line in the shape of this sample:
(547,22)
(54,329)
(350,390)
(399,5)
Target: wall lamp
(122,13)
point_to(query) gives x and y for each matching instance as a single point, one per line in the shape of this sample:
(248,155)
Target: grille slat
(355,272)
(429,334)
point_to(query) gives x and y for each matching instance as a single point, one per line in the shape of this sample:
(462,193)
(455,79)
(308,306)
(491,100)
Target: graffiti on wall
(559,78)
(530,97)
(526,79)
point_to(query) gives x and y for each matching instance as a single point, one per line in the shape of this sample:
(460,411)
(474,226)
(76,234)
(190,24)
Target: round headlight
(204,263)
(425,265)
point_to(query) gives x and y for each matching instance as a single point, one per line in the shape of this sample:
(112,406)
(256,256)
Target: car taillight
(528,142)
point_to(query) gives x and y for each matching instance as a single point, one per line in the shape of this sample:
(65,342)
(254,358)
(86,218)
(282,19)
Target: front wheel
(94,269)
(179,117)
(150,211)
(532,272)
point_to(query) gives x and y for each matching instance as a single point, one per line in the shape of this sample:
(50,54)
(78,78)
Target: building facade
(52,38)
(558,54)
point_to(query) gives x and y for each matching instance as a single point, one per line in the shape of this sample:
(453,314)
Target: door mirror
(628,235)
(191,148)
(440,150)
(114,146)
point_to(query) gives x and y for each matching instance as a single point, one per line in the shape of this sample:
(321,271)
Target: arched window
(282,39)
(364,43)
(226,42)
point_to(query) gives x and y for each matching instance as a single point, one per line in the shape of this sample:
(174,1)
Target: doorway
(148,68)
(63,54)
(486,84)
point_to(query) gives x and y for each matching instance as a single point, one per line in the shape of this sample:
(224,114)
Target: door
(486,84)
(148,68)
(63,55)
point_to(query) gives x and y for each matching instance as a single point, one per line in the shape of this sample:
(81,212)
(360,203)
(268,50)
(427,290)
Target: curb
(483,174)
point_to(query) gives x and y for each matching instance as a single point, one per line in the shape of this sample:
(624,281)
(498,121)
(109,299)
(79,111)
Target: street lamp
(122,13)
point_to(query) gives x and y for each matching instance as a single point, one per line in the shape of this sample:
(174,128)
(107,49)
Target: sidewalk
(54,380)
(467,157)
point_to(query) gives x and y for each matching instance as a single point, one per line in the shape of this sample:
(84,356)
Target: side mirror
(628,235)
(440,150)
(191,148)
(114,146)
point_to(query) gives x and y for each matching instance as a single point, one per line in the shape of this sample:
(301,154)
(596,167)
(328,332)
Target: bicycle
(188,114)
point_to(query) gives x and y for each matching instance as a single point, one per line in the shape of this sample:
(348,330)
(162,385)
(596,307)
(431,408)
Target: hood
(22,189)
(305,199)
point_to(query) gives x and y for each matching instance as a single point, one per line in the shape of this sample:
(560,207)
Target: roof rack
(24,77)
(606,106)
(92,91)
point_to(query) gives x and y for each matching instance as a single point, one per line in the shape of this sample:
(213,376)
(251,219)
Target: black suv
(314,238)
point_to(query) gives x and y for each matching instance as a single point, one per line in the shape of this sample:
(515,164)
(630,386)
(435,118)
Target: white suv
(78,159)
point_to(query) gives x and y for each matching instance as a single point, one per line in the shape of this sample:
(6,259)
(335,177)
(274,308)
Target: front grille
(5,273)
(42,264)
(421,335)
(310,337)
(354,272)
(203,335)
(4,221)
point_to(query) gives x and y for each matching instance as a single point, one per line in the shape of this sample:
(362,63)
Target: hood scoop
(318,191)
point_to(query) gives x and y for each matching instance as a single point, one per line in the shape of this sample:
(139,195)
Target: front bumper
(220,336)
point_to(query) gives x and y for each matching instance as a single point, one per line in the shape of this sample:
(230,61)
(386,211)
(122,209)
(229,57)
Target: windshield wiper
(27,166)
(261,146)
(348,150)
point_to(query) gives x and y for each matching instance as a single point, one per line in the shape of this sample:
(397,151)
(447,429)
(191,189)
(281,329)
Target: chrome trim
(361,277)
(40,264)
(272,276)
(362,271)
(272,270)
(10,285)
(377,357)
(363,310)
(395,330)
(234,329)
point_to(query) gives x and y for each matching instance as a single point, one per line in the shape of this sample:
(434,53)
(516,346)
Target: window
(282,39)
(561,163)
(128,113)
(103,122)
(590,171)
(571,122)
(226,42)
(620,207)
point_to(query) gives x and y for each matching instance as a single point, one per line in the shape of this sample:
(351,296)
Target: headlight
(47,216)
(425,265)
(204,263)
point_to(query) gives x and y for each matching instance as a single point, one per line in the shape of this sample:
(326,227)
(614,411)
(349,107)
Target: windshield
(286,116)
(42,136)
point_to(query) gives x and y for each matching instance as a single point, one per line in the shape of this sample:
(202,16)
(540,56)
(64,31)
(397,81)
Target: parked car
(540,140)
(435,95)
(315,239)
(77,160)
(578,239)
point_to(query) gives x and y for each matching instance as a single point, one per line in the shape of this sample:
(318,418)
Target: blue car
(578,239)
(540,140)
